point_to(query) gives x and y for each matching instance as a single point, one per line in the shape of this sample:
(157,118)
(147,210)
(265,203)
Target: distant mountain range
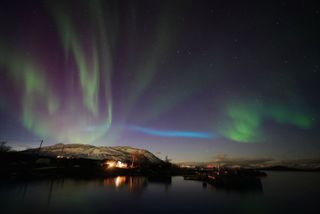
(121,153)
(263,163)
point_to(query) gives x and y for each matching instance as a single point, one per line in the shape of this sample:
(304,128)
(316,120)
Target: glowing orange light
(120,180)
(115,164)
(121,165)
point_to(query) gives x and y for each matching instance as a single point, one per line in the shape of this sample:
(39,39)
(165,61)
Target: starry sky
(187,79)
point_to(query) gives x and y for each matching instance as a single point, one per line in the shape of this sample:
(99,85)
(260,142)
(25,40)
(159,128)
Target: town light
(115,164)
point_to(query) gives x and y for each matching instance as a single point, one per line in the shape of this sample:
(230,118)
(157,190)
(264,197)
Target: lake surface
(294,192)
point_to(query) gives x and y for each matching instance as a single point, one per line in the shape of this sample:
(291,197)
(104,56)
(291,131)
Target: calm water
(294,192)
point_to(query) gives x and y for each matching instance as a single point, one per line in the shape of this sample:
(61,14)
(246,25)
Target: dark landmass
(311,164)
(82,161)
(86,161)
(286,168)
(120,153)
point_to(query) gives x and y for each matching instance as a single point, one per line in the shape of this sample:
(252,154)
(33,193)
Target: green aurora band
(45,112)
(245,119)
(84,112)
(36,91)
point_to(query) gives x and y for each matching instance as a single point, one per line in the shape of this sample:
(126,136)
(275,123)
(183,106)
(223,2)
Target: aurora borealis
(186,78)
(172,133)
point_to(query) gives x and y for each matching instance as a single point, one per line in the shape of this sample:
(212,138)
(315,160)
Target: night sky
(186,79)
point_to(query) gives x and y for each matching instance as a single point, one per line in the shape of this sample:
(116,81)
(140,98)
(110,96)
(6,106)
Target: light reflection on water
(132,184)
(282,191)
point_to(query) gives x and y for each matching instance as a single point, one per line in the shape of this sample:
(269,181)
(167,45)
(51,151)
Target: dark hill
(121,153)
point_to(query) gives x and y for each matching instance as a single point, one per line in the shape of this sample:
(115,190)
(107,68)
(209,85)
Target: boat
(233,181)
(230,179)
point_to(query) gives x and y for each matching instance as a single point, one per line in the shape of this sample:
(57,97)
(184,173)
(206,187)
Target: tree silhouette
(4,147)
(137,158)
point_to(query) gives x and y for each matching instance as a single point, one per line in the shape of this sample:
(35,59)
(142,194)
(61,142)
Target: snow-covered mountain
(121,153)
